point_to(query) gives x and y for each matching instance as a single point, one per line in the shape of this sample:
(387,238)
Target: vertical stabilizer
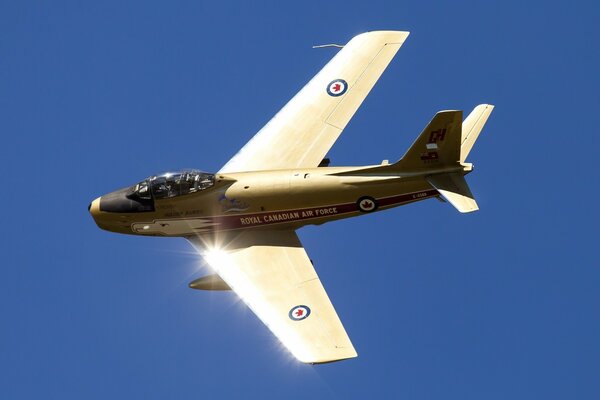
(437,145)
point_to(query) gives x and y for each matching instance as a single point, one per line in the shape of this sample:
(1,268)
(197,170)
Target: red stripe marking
(239,221)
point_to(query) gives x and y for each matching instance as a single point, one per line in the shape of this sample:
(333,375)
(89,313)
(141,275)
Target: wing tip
(351,353)
(390,36)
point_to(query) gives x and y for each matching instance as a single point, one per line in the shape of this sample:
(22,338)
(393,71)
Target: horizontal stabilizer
(454,188)
(471,128)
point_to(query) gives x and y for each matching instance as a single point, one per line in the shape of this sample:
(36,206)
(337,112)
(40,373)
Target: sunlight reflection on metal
(218,258)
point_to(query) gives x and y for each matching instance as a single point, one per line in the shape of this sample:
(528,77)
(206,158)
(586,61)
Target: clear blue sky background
(499,304)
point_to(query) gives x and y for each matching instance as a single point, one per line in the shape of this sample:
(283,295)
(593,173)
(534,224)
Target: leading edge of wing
(272,274)
(303,131)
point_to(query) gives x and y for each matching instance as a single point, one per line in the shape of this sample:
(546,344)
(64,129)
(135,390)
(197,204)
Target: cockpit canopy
(172,184)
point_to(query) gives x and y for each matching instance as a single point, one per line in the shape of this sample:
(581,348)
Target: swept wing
(271,272)
(303,131)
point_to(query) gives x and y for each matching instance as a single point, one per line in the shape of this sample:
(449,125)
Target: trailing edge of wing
(272,274)
(303,131)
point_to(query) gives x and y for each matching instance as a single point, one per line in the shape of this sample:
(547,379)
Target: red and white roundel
(337,87)
(367,204)
(299,313)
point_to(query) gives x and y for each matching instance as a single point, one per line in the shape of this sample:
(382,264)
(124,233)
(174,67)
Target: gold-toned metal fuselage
(275,199)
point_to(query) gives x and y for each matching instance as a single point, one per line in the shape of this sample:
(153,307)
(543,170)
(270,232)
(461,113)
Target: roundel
(367,204)
(337,87)
(299,313)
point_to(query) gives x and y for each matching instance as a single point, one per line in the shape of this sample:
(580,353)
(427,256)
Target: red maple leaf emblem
(367,204)
(299,312)
(337,87)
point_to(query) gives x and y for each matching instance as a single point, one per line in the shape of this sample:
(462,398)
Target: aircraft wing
(303,131)
(271,272)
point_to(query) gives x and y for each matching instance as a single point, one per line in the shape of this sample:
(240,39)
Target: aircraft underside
(279,181)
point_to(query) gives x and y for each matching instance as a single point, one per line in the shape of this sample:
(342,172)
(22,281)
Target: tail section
(439,155)
(446,140)
(442,148)
(437,145)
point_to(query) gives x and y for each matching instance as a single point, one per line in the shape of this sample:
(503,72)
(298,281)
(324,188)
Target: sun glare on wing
(216,258)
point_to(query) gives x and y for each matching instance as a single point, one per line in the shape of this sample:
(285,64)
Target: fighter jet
(243,218)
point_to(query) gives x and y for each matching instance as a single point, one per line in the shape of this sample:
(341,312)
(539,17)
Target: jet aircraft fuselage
(287,199)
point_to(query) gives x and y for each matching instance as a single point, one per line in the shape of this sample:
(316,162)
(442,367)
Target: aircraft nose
(94,207)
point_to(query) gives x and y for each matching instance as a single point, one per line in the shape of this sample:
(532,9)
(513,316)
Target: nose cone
(94,207)
(116,211)
(106,220)
(101,220)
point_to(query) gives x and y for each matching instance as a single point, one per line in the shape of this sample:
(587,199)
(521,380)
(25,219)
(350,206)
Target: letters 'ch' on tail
(442,149)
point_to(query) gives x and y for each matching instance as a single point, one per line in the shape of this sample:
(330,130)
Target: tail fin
(446,142)
(439,154)
(438,144)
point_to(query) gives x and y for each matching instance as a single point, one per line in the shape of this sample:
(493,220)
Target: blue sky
(498,304)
